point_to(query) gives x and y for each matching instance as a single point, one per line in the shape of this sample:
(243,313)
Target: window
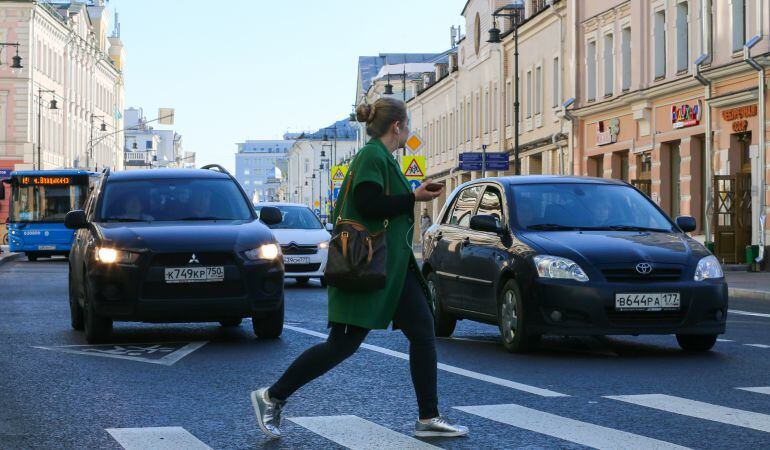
(529,94)
(508,103)
(626,49)
(556,83)
(495,109)
(468,119)
(739,24)
(148,145)
(536,6)
(675,182)
(461,117)
(682,37)
(491,204)
(660,44)
(485,111)
(464,206)
(538,90)
(609,65)
(477,123)
(591,71)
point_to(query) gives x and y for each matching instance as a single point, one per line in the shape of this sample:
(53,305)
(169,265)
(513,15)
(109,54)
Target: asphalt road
(187,386)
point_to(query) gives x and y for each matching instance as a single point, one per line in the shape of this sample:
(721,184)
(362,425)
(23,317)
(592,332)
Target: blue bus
(39,201)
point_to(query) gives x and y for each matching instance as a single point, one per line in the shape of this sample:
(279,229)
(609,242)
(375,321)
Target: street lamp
(16,65)
(514,10)
(91,143)
(52,107)
(334,148)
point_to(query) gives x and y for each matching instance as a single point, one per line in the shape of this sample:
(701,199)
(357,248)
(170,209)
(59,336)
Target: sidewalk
(749,285)
(6,256)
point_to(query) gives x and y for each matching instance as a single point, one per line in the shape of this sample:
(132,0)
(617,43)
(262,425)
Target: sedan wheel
(97,328)
(76,311)
(512,322)
(443,322)
(696,342)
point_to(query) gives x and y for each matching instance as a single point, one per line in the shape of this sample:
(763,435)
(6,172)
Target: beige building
(668,100)
(65,49)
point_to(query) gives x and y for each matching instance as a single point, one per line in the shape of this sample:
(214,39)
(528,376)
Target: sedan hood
(181,236)
(608,247)
(301,237)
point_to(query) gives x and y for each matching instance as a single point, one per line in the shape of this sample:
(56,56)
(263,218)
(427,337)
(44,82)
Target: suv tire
(269,325)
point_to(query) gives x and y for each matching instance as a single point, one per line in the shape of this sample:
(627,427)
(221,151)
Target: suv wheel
(76,311)
(696,342)
(512,321)
(269,325)
(230,322)
(443,322)
(97,328)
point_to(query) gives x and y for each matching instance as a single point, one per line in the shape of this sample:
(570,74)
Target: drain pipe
(748,59)
(709,175)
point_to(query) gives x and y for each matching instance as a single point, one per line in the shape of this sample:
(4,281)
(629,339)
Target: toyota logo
(644,268)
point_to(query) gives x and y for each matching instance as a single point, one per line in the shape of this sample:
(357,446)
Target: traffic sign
(5,173)
(413,167)
(497,157)
(317,211)
(471,157)
(494,165)
(338,173)
(470,165)
(414,143)
(415,184)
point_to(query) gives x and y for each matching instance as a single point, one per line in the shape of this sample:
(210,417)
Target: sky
(254,69)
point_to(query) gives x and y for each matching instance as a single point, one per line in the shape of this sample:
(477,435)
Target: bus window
(46,203)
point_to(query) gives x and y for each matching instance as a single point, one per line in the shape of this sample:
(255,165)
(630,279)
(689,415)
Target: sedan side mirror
(686,223)
(76,220)
(270,215)
(486,223)
(329,227)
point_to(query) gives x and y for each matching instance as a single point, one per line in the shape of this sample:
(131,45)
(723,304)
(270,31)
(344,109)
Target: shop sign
(683,116)
(608,132)
(738,117)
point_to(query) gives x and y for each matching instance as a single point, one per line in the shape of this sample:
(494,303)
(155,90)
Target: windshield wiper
(116,219)
(634,228)
(203,218)
(551,227)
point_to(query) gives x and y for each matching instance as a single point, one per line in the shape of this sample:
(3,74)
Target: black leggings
(413,317)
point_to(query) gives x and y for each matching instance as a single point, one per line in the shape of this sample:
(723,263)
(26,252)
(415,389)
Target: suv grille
(183,259)
(174,291)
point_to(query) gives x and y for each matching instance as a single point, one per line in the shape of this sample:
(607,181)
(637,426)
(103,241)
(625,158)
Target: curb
(749,294)
(10,258)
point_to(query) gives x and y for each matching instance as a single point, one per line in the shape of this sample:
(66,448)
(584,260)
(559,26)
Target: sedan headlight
(708,267)
(108,255)
(323,245)
(559,268)
(266,252)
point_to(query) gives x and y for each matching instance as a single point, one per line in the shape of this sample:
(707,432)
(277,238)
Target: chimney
(453,61)
(428,79)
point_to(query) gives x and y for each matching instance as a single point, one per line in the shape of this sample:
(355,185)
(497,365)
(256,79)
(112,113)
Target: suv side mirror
(486,223)
(270,215)
(329,227)
(75,220)
(686,223)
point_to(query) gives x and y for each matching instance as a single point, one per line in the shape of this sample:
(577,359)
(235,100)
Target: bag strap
(347,188)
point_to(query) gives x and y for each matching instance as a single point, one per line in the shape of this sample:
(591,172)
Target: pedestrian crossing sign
(413,167)
(338,173)
(414,143)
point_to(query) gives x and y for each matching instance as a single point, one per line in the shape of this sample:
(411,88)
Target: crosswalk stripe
(700,410)
(757,345)
(447,368)
(156,438)
(758,390)
(747,313)
(564,428)
(356,433)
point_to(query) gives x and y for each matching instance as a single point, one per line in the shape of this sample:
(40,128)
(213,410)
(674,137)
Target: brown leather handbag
(358,259)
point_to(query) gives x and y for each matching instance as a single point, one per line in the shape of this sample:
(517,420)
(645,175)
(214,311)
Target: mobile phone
(434,187)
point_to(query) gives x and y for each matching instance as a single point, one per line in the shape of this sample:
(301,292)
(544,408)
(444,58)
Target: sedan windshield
(296,218)
(173,200)
(559,207)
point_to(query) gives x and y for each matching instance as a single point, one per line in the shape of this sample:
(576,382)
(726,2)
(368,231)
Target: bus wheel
(31,257)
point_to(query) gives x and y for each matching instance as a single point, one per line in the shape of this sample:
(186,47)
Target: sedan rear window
(296,218)
(173,200)
(557,207)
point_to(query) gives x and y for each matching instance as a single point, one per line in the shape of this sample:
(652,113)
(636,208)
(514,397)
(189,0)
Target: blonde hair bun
(365,113)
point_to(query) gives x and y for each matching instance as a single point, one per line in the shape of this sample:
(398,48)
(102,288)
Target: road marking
(725,340)
(571,430)
(156,438)
(447,368)
(701,410)
(165,354)
(356,433)
(758,390)
(757,345)
(747,313)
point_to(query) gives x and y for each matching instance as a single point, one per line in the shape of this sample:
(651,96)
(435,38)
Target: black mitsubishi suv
(173,245)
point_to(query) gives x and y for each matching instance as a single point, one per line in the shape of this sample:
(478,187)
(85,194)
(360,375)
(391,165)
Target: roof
(369,66)
(342,128)
(53,173)
(158,174)
(549,179)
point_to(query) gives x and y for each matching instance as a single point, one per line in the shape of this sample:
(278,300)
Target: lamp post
(516,9)
(16,64)
(103,128)
(334,147)
(51,106)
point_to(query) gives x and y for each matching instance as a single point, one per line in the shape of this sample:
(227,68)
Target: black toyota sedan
(177,245)
(571,256)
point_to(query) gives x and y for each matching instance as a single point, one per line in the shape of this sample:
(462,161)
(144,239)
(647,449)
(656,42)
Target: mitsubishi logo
(193,260)
(644,268)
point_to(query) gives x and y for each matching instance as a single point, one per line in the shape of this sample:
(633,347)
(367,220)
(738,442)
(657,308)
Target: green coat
(375,309)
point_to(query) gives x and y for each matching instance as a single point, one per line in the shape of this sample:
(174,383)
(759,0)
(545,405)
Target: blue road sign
(494,165)
(317,212)
(497,157)
(5,173)
(470,165)
(470,157)
(415,184)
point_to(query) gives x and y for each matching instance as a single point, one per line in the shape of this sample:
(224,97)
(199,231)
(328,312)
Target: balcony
(138,158)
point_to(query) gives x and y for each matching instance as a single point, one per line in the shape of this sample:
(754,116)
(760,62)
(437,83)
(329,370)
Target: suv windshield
(558,207)
(173,200)
(296,218)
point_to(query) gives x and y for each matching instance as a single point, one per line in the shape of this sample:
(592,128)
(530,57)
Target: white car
(304,241)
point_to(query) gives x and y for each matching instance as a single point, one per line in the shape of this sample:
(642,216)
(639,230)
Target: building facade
(147,148)
(70,57)
(260,167)
(669,102)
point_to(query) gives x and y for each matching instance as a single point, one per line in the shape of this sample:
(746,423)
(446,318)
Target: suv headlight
(108,255)
(559,268)
(708,267)
(265,252)
(323,245)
